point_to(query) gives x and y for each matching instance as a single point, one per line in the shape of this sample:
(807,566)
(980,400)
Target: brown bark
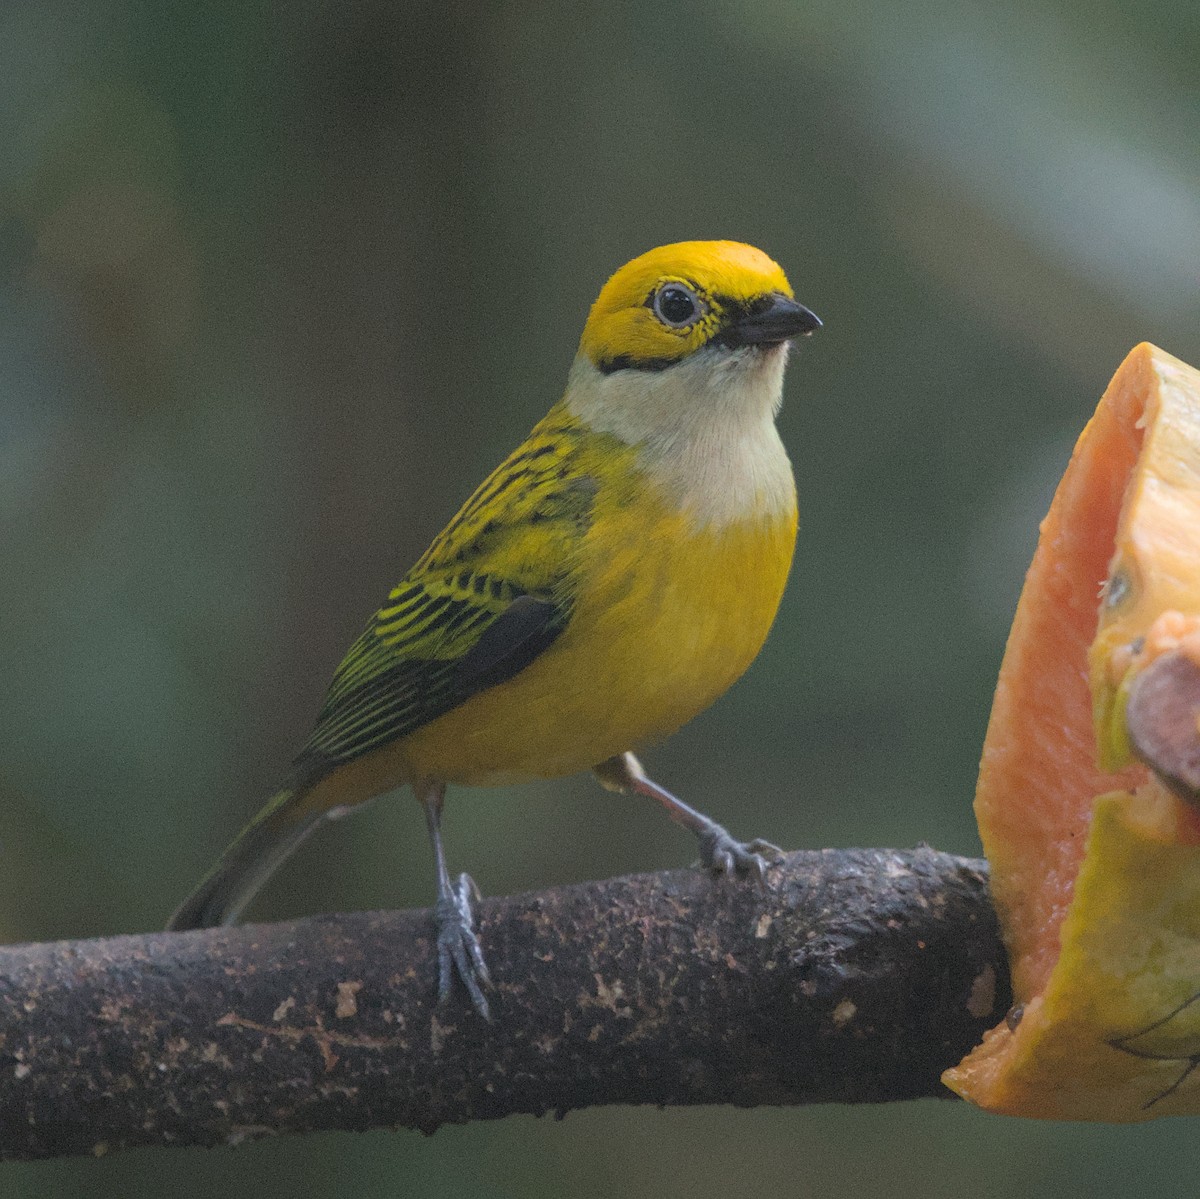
(856,976)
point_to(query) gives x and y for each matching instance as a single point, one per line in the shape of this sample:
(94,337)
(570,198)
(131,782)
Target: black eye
(677,306)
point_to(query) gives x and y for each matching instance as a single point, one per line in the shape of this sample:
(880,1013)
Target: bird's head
(687,341)
(683,358)
(695,297)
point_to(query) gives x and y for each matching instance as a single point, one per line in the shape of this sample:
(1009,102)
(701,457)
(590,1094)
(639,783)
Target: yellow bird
(606,583)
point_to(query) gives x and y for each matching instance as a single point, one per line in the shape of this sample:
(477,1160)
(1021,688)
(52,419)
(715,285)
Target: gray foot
(723,855)
(458,946)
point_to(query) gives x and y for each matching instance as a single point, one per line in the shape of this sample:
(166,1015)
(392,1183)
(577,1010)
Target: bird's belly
(661,628)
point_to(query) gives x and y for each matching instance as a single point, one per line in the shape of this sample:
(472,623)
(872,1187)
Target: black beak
(769,322)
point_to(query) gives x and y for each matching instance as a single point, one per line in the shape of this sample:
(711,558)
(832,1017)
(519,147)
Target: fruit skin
(1038,773)
(1096,874)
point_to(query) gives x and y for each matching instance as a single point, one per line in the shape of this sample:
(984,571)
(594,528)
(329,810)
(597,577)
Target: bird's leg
(718,849)
(457,944)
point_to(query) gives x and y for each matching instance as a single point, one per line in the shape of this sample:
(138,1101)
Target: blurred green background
(279,284)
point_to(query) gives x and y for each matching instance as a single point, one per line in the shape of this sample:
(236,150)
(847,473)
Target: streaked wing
(490,594)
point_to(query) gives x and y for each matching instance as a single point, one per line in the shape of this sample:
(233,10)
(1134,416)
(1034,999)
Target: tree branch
(857,977)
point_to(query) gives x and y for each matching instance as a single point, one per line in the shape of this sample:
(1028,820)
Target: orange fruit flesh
(1038,774)
(1083,905)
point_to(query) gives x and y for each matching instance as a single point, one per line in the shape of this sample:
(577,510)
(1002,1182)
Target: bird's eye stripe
(626,362)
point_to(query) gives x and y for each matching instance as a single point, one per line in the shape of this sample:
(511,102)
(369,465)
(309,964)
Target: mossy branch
(857,976)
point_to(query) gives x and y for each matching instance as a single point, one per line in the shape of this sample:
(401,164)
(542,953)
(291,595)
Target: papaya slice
(1095,860)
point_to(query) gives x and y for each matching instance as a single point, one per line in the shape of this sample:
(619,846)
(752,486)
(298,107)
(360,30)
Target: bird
(614,576)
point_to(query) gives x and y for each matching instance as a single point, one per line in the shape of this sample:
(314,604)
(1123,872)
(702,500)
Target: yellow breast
(667,617)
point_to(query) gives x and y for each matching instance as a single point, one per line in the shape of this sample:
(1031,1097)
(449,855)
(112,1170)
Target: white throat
(705,426)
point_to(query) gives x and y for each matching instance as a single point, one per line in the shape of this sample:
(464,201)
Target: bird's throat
(704,429)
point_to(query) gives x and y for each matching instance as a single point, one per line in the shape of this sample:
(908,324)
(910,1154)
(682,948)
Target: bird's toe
(459,951)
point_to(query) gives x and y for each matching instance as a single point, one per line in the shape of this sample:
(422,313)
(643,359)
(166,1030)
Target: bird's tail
(260,847)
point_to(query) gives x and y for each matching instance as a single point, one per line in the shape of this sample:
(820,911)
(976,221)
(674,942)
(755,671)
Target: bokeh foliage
(279,283)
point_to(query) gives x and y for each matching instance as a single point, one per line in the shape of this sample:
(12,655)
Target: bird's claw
(458,946)
(722,854)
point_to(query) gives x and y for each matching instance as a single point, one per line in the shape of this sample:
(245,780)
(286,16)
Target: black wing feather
(522,631)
